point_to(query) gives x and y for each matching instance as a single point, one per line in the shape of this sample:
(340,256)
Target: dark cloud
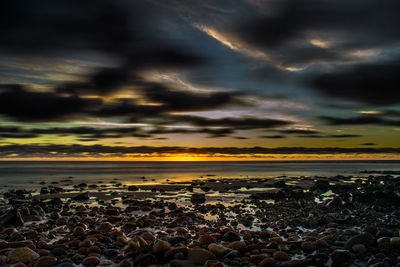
(370,83)
(358,23)
(368,144)
(360,120)
(100,150)
(49,27)
(331,136)
(298,131)
(273,136)
(97,133)
(246,123)
(175,100)
(18,103)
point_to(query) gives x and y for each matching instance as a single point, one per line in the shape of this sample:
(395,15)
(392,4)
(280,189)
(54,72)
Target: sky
(199,80)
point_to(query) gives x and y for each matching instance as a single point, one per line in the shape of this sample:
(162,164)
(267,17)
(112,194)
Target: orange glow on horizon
(186,157)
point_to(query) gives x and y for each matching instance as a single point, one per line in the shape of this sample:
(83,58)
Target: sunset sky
(199,80)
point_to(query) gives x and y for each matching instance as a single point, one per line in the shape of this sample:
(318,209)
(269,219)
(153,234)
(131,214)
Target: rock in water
(198,198)
(83,196)
(12,217)
(24,255)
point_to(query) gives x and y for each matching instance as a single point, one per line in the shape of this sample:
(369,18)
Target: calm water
(29,174)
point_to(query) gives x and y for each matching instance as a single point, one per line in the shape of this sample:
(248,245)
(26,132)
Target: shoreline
(286,221)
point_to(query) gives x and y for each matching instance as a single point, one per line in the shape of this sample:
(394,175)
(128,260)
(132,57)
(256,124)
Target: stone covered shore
(298,221)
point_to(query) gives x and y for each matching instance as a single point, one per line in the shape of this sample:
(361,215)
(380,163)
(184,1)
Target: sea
(29,174)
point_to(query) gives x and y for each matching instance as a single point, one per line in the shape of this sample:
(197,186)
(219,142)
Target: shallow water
(29,174)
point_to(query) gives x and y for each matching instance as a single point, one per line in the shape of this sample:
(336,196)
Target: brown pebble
(160,247)
(79,231)
(94,249)
(91,261)
(267,262)
(125,263)
(43,252)
(308,246)
(207,239)
(19,264)
(45,261)
(237,244)
(214,263)
(281,256)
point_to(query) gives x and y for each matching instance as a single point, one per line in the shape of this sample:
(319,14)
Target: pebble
(214,263)
(308,246)
(207,239)
(79,231)
(341,256)
(281,256)
(23,255)
(200,255)
(160,247)
(267,262)
(218,250)
(231,236)
(45,261)
(91,261)
(359,248)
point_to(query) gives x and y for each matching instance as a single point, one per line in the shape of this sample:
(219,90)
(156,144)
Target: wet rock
(79,231)
(395,241)
(231,236)
(267,262)
(45,261)
(198,198)
(148,236)
(181,263)
(12,217)
(65,264)
(160,247)
(133,188)
(200,256)
(365,238)
(341,256)
(308,246)
(107,263)
(82,196)
(218,250)
(125,263)
(24,255)
(207,239)
(105,227)
(144,260)
(214,263)
(359,248)
(89,261)
(59,252)
(281,256)
(237,245)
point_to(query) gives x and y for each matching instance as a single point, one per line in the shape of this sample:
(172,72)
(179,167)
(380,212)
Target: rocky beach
(285,221)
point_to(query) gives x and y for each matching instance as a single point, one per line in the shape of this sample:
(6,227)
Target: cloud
(35,150)
(369,83)
(298,131)
(273,136)
(358,23)
(360,120)
(18,103)
(245,123)
(368,144)
(331,136)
